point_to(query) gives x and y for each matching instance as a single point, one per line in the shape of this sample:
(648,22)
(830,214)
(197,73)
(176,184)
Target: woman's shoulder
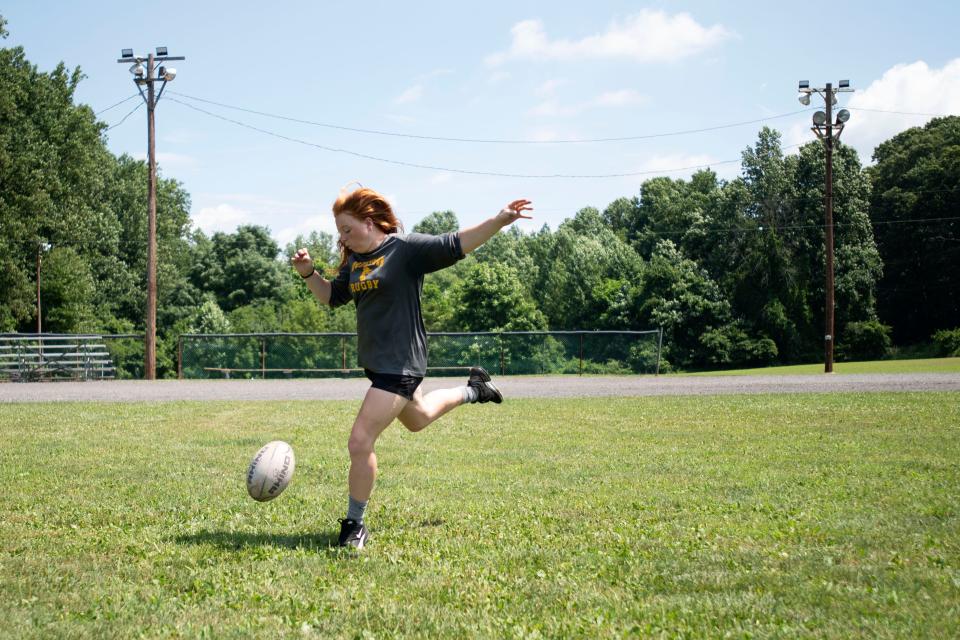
(415,237)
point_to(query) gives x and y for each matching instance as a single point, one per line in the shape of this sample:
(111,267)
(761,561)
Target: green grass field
(925,365)
(831,516)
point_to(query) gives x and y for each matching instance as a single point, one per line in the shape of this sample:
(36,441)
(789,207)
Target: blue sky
(527,71)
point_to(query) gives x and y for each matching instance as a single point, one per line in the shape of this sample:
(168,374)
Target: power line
(132,111)
(904,113)
(489,140)
(449,169)
(116,104)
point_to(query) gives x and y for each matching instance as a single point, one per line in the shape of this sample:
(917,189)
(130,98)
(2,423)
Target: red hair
(365,203)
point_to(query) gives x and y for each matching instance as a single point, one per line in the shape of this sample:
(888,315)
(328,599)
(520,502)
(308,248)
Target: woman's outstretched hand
(514,211)
(302,262)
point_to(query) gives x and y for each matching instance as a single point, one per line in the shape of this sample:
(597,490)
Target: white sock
(469,394)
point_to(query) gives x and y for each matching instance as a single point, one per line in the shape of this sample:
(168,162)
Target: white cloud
(224,212)
(552,109)
(911,88)
(648,36)
(221,217)
(549,87)
(322,222)
(412,94)
(621,98)
(441,177)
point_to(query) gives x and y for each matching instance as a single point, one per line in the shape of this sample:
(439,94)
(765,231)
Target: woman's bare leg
(424,409)
(378,410)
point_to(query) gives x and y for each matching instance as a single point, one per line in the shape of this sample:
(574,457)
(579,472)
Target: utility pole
(39,249)
(823,126)
(142,77)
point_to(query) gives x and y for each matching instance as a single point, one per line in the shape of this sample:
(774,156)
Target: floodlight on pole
(842,116)
(147,77)
(804,99)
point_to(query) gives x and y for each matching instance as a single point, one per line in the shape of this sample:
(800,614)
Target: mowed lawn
(832,516)
(922,365)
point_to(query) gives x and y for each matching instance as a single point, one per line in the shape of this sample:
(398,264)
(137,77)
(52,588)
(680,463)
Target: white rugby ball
(270,471)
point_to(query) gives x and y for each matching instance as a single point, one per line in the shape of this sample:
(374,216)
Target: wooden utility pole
(824,126)
(828,215)
(146,77)
(150,346)
(39,249)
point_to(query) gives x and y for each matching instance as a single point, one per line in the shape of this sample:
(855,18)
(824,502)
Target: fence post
(263,358)
(581,354)
(502,369)
(343,352)
(659,346)
(180,357)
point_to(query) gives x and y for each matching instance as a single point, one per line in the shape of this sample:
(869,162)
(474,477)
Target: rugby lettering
(281,476)
(253,465)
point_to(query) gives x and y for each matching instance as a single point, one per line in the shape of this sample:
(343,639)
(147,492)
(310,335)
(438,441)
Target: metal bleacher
(31,357)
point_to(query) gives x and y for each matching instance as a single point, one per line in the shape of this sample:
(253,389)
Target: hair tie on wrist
(312,271)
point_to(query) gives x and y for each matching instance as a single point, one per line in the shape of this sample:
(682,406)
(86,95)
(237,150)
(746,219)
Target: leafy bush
(730,345)
(947,342)
(868,340)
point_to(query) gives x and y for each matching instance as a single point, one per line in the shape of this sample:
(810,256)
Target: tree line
(733,270)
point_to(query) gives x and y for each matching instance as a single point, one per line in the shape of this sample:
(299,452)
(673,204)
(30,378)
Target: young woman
(382,271)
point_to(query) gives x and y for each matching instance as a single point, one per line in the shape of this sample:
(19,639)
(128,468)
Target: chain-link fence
(285,355)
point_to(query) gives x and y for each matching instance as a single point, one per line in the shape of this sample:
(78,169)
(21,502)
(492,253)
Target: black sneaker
(353,534)
(486,390)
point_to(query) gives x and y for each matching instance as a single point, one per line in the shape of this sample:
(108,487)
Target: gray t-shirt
(385,284)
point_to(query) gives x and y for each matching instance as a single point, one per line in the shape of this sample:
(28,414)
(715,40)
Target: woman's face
(359,236)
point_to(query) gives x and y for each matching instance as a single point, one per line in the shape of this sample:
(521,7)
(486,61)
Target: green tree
(123,279)
(585,270)
(53,165)
(322,247)
(697,320)
(857,265)
(67,291)
(666,208)
(241,267)
(491,297)
(60,185)
(438,222)
(766,244)
(916,192)
(510,246)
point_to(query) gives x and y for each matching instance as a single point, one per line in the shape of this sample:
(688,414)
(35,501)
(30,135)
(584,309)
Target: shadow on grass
(236,541)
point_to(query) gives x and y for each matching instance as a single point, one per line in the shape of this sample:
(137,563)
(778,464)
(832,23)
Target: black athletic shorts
(403,386)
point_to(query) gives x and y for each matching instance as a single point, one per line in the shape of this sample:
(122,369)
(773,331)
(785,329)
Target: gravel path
(512,387)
